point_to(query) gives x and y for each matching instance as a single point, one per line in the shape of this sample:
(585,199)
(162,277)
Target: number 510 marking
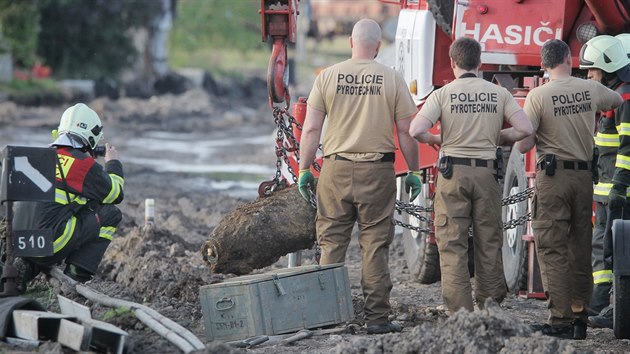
(33,243)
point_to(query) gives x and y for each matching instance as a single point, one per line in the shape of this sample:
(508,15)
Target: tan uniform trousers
(470,197)
(562,212)
(364,192)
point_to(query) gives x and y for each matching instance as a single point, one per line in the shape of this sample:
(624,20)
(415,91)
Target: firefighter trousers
(93,232)
(365,193)
(562,211)
(471,197)
(601,273)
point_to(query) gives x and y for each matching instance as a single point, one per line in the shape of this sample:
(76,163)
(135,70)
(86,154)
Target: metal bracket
(276,282)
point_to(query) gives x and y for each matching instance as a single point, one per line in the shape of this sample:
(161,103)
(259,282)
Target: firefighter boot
(26,271)
(77,273)
(600,298)
(603,320)
(383,328)
(565,332)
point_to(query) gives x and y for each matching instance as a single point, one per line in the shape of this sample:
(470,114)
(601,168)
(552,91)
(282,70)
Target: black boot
(600,298)
(77,273)
(26,271)
(565,332)
(579,329)
(603,320)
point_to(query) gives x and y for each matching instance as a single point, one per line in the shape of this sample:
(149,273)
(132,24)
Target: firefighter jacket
(622,171)
(612,127)
(81,183)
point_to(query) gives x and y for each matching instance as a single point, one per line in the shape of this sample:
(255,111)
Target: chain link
(510,224)
(518,197)
(286,142)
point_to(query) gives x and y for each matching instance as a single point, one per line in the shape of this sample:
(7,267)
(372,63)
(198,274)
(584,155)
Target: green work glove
(617,197)
(413,184)
(306,182)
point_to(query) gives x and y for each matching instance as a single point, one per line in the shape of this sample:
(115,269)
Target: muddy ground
(162,268)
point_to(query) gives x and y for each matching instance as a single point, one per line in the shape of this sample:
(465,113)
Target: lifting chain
(413,228)
(286,143)
(510,224)
(518,197)
(415,210)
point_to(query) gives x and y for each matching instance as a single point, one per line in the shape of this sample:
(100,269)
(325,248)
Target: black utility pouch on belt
(594,169)
(498,164)
(445,166)
(550,165)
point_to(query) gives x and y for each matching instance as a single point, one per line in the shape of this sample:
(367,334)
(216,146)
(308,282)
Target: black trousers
(85,248)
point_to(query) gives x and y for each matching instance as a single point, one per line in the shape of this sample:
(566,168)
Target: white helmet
(606,53)
(80,121)
(625,40)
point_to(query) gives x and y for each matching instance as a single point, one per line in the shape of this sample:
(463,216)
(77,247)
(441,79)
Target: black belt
(387,157)
(568,165)
(472,162)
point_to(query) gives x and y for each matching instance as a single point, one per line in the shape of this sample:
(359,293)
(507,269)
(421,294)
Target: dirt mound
(154,263)
(487,331)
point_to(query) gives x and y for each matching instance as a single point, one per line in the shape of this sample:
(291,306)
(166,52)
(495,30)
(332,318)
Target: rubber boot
(603,320)
(77,273)
(26,271)
(600,298)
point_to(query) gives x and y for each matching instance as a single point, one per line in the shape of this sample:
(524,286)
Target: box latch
(322,281)
(278,285)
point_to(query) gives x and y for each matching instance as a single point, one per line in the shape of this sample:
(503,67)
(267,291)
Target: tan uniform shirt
(472,111)
(361,99)
(562,112)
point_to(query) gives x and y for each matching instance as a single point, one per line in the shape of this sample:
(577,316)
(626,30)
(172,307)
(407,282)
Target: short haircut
(466,53)
(367,32)
(553,53)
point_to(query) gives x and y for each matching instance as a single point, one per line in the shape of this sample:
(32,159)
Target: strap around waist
(387,157)
(472,162)
(569,165)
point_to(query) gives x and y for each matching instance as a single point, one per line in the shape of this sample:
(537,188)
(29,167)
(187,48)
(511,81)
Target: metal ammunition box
(281,301)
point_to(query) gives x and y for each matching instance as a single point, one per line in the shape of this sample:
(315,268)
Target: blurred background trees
(76,38)
(89,39)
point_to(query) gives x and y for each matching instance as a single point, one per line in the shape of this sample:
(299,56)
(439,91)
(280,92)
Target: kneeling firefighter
(83,216)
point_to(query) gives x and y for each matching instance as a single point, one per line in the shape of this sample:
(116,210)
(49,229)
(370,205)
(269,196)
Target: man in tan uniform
(362,102)
(472,112)
(562,112)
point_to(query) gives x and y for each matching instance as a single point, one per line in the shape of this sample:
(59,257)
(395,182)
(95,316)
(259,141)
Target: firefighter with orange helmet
(83,216)
(607,62)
